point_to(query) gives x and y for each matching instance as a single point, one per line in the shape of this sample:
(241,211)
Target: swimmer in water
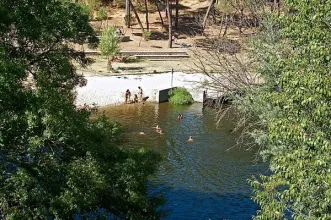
(160,131)
(190,139)
(157,128)
(181,116)
(142,132)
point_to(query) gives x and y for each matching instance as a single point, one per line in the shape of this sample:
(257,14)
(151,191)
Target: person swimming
(157,128)
(160,131)
(190,139)
(180,117)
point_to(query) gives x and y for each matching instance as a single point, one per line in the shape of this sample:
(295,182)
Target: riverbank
(110,90)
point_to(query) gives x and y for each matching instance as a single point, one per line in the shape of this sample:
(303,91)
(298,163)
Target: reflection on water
(200,179)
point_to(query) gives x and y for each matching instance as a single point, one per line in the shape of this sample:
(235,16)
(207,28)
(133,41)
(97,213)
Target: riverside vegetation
(55,162)
(288,114)
(293,110)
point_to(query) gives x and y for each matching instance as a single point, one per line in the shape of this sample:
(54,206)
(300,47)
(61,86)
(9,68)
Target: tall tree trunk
(137,16)
(207,14)
(226,26)
(129,18)
(127,13)
(146,13)
(176,18)
(170,24)
(158,10)
(170,14)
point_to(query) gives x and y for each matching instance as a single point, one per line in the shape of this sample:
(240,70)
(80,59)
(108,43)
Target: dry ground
(189,31)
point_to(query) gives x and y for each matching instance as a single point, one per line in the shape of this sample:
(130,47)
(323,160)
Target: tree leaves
(54,161)
(299,132)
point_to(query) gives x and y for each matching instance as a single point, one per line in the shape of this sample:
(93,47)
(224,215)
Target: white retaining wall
(110,90)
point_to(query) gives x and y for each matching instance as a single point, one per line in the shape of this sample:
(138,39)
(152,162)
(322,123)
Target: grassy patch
(180,96)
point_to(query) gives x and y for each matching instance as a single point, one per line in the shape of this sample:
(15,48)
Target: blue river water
(203,179)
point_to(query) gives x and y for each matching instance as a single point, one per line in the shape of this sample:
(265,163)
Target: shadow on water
(187,204)
(203,179)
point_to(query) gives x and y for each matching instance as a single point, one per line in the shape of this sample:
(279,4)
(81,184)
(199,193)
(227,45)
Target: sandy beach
(110,90)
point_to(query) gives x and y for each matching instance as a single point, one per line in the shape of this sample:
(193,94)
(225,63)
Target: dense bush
(180,96)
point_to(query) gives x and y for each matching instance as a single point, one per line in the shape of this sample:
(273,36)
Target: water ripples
(200,179)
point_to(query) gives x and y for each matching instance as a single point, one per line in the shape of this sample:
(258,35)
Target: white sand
(110,90)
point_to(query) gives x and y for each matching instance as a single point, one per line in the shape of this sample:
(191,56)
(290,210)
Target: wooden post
(158,9)
(137,16)
(176,18)
(172,78)
(170,24)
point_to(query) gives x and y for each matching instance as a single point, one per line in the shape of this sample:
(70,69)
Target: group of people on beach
(137,98)
(160,131)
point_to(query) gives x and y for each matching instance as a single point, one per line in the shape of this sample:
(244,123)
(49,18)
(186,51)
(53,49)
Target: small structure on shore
(215,101)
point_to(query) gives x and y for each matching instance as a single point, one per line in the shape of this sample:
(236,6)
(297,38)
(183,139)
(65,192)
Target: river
(203,179)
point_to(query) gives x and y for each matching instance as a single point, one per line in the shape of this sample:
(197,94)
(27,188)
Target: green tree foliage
(87,10)
(180,96)
(94,4)
(102,13)
(54,161)
(294,53)
(109,44)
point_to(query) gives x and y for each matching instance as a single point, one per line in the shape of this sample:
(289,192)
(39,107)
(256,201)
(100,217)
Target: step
(156,55)
(162,57)
(133,53)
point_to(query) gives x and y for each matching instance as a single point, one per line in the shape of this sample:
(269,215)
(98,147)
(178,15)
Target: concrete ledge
(152,55)
(154,52)
(163,95)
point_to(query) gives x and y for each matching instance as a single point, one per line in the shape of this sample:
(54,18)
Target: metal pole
(172,77)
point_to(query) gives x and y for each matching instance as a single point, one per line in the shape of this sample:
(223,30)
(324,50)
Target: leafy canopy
(54,161)
(294,53)
(109,44)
